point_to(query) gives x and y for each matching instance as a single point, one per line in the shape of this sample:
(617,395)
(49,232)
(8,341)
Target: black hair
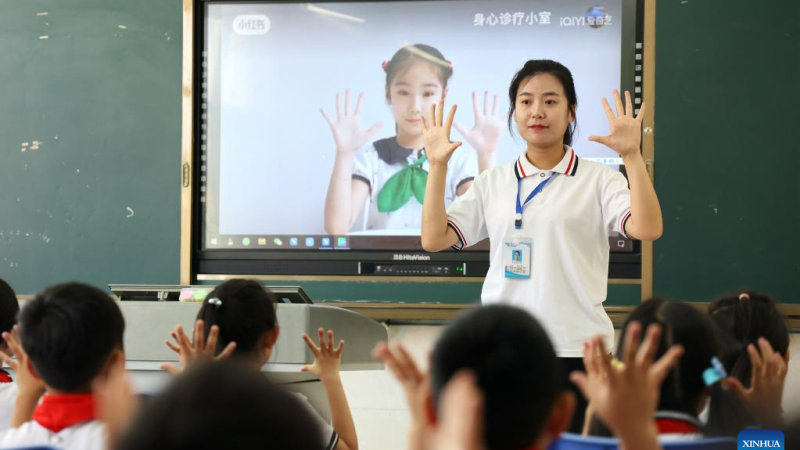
(539,66)
(516,368)
(9,307)
(245,311)
(681,324)
(223,406)
(418,52)
(69,331)
(741,322)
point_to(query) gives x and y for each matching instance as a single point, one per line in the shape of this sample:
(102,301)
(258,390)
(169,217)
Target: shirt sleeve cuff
(462,242)
(623,222)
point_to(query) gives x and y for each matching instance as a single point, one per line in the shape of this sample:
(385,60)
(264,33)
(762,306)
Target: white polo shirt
(90,435)
(375,163)
(568,223)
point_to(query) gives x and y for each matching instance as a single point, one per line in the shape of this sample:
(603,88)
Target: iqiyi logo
(760,439)
(251,24)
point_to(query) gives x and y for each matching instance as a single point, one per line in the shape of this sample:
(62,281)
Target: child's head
(416,78)
(542,93)
(244,311)
(72,333)
(741,320)
(684,389)
(222,405)
(9,308)
(517,370)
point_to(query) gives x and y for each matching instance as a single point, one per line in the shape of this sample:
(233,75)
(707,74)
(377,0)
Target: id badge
(517,257)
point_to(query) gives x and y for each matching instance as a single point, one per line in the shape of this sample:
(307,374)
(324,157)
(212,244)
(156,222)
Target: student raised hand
(190,351)
(30,386)
(436,134)
(327,359)
(347,133)
(461,423)
(117,405)
(626,396)
(626,130)
(416,385)
(764,396)
(485,134)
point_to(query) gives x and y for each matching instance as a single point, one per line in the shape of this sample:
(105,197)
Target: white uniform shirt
(375,163)
(330,438)
(89,435)
(568,223)
(8,395)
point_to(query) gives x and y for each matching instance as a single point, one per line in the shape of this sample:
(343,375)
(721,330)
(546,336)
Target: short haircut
(245,312)
(223,406)
(69,331)
(9,307)
(516,368)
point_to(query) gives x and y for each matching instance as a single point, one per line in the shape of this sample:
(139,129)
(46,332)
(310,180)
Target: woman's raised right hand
(347,133)
(436,134)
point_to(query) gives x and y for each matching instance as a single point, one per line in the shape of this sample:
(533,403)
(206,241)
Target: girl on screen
(392,172)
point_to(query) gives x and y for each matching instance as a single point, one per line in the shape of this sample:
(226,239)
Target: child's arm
(646,222)
(764,396)
(346,196)
(485,134)
(327,361)
(626,397)
(30,386)
(436,235)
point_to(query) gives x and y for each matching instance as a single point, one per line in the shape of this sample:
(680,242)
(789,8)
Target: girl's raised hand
(436,134)
(327,358)
(191,351)
(626,130)
(485,134)
(347,133)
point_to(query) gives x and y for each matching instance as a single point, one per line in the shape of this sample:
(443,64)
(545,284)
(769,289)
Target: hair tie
(714,373)
(385,65)
(215,301)
(744,296)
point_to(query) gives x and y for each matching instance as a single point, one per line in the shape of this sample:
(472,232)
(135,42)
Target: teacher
(547,215)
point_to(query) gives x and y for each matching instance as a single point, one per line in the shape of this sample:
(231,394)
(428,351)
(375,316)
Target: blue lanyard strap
(534,193)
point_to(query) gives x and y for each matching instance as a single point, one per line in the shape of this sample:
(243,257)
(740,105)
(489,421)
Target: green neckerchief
(397,191)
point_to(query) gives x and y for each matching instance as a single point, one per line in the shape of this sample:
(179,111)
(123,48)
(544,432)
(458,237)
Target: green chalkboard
(727,154)
(90,98)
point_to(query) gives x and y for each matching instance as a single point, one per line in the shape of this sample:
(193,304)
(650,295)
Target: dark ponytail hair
(740,321)
(409,54)
(681,324)
(243,310)
(558,70)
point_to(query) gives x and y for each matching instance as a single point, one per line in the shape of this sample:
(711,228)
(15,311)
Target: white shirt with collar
(375,163)
(568,222)
(90,435)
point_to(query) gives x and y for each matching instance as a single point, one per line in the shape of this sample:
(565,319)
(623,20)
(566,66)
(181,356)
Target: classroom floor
(379,407)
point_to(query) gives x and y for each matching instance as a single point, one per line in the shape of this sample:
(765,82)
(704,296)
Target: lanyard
(534,193)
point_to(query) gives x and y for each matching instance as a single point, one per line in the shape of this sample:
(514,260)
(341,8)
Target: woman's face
(542,111)
(411,95)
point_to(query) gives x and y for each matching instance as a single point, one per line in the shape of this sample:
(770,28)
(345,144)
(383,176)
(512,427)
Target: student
(71,336)
(391,172)
(9,308)
(742,321)
(694,379)
(221,406)
(514,367)
(554,207)
(238,318)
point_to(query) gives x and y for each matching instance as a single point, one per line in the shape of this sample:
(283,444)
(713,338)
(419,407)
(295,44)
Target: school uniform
(563,231)
(8,395)
(376,163)
(329,436)
(65,421)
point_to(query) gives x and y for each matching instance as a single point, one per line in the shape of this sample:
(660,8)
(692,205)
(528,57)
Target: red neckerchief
(677,423)
(4,378)
(59,411)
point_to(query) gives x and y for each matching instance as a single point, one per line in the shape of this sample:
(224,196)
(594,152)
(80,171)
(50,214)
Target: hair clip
(744,296)
(385,65)
(714,373)
(215,301)
(617,364)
